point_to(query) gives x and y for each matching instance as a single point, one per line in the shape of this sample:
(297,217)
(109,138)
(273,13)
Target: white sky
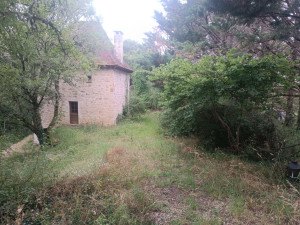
(133,17)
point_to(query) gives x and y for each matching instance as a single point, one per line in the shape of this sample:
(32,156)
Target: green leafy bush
(144,89)
(135,108)
(227,101)
(143,95)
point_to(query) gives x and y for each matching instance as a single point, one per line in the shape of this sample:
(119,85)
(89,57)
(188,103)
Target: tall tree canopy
(260,27)
(270,20)
(37,51)
(275,26)
(201,31)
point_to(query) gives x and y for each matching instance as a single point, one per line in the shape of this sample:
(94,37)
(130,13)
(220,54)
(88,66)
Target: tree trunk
(234,141)
(56,111)
(38,127)
(298,120)
(41,135)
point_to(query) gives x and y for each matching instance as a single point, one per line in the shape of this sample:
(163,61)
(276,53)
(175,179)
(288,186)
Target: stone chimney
(119,45)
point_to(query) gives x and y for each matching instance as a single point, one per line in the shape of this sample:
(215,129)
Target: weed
(206,221)
(192,203)
(187,182)
(237,206)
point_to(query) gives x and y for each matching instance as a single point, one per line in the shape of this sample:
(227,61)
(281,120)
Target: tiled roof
(107,58)
(103,49)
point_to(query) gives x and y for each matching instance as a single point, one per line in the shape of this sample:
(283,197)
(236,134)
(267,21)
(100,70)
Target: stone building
(99,98)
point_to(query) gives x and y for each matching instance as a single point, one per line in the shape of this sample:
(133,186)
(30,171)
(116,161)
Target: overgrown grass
(132,174)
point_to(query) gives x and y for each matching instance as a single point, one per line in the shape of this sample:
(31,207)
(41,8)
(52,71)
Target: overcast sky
(133,17)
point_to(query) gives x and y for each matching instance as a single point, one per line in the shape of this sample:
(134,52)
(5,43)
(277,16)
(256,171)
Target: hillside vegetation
(133,174)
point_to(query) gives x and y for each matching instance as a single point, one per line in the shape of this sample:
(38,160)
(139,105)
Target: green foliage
(144,94)
(11,131)
(242,78)
(243,8)
(180,22)
(21,178)
(228,100)
(145,89)
(272,24)
(144,56)
(196,28)
(194,31)
(135,108)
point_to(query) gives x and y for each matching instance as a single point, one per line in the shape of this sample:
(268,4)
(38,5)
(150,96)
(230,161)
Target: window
(74,107)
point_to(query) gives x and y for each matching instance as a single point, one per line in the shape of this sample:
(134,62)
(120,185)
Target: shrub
(135,108)
(143,95)
(262,136)
(226,101)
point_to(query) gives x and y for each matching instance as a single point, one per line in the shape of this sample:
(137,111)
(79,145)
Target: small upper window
(89,79)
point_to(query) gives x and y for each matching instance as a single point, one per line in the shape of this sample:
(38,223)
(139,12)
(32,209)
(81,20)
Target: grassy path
(132,174)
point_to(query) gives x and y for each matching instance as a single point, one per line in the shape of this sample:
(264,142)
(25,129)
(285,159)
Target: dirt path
(17,147)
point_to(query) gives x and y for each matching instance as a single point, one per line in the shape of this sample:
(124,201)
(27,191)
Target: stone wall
(99,101)
(122,82)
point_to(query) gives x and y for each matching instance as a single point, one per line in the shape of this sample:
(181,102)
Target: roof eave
(117,67)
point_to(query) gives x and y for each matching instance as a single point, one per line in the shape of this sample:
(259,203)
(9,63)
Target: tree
(222,23)
(194,31)
(258,27)
(276,28)
(37,52)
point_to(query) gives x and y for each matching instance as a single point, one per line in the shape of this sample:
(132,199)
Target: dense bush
(262,136)
(144,89)
(143,95)
(228,102)
(135,108)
